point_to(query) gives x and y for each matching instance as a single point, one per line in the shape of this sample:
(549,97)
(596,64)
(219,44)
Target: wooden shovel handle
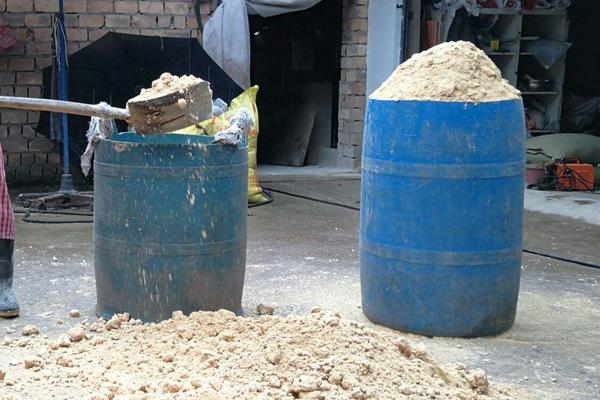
(68,107)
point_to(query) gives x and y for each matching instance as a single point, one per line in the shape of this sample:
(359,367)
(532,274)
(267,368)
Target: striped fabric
(7,223)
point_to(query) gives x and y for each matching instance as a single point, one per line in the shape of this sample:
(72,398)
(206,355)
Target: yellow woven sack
(211,126)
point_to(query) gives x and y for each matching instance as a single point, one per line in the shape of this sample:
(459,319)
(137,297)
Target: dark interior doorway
(296,63)
(114,68)
(581,92)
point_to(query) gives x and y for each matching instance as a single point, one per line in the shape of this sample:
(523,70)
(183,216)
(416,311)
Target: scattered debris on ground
(263,309)
(451,71)
(220,356)
(30,330)
(74,313)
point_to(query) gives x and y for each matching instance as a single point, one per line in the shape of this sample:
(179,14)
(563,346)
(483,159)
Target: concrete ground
(303,254)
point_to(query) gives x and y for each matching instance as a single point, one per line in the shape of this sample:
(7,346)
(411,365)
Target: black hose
(537,253)
(561,258)
(332,203)
(27,214)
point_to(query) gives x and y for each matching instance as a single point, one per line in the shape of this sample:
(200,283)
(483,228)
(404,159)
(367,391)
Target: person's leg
(9,307)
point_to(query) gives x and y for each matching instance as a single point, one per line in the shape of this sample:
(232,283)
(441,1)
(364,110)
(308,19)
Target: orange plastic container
(572,175)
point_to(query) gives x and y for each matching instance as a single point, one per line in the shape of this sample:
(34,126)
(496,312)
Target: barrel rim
(437,102)
(199,139)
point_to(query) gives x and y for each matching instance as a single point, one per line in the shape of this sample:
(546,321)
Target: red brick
(205,9)
(91,21)
(27,159)
(96,34)
(42,34)
(100,6)
(50,6)
(348,162)
(126,7)
(53,158)
(73,47)
(191,22)
(43,62)
(36,20)
(143,21)
(18,50)
(40,158)
(77,35)
(352,37)
(13,160)
(14,20)
(34,91)
(23,34)
(22,174)
(50,172)
(152,32)
(117,21)
(179,22)
(15,131)
(177,8)
(33,116)
(71,20)
(177,33)
(164,21)
(29,78)
(28,132)
(151,7)
(21,91)
(356,50)
(41,48)
(75,6)
(19,5)
(353,101)
(15,145)
(40,144)
(356,11)
(346,62)
(7,78)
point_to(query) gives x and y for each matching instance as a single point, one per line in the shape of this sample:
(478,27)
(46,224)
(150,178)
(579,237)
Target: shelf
(548,92)
(498,11)
(510,11)
(500,53)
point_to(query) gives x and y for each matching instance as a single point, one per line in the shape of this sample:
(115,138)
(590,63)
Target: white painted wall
(384,41)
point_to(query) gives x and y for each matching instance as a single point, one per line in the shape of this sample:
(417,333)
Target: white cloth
(100,128)
(240,124)
(226,35)
(269,8)
(226,39)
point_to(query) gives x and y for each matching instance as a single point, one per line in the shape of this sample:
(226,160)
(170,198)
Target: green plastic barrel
(169,225)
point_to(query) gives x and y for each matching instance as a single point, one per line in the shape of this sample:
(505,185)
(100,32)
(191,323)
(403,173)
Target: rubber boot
(9,308)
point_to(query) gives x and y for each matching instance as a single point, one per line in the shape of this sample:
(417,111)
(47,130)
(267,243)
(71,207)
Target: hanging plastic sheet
(269,8)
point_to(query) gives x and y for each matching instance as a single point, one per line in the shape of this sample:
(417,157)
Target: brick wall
(27,155)
(353,78)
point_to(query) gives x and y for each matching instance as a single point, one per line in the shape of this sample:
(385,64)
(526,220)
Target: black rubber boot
(9,308)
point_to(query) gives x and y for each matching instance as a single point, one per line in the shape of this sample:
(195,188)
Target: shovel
(166,113)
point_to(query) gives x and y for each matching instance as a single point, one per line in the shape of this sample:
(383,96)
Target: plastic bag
(216,124)
(547,52)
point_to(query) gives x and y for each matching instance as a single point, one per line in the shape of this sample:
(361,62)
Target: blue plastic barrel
(441,215)
(169,225)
